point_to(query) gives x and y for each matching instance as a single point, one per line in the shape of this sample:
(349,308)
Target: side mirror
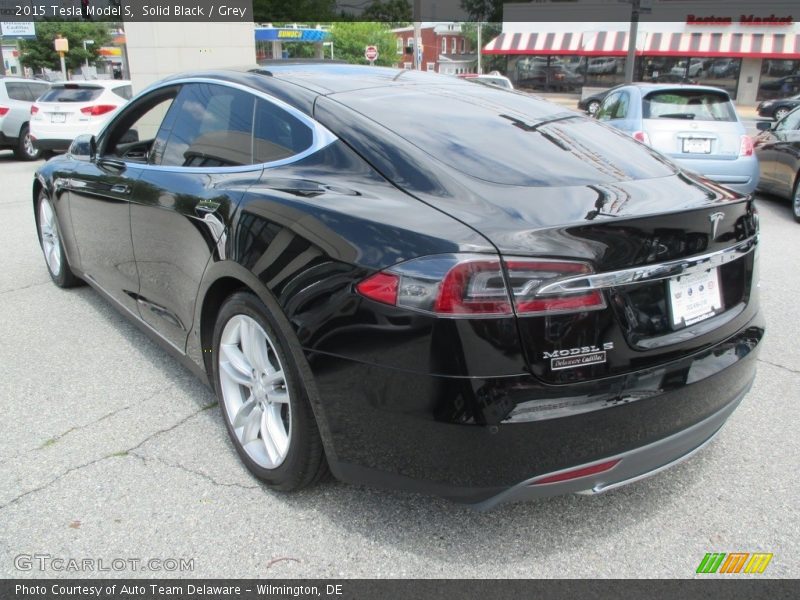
(84,147)
(763,125)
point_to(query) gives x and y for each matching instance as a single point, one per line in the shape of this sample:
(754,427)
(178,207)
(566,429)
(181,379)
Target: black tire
(25,148)
(796,199)
(62,276)
(592,107)
(305,462)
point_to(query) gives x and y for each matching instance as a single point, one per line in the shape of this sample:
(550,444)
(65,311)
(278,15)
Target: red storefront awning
(732,45)
(534,43)
(615,43)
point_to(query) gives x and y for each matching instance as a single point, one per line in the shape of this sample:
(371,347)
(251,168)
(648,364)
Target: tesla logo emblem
(715,219)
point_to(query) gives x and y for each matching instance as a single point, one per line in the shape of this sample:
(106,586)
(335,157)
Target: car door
(100,192)
(184,200)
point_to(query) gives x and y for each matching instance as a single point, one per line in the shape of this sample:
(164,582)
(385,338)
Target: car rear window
(695,105)
(72,93)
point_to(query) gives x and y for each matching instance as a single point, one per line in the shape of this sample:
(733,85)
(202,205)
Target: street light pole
(85,42)
(480,47)
(632,34)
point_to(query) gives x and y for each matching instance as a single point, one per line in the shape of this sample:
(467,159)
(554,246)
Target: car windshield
(71,93)
(697,105)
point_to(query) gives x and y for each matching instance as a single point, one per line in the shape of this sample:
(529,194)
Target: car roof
(655,87)
(13,79)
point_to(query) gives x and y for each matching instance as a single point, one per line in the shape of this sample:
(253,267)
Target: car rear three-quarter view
(416,282)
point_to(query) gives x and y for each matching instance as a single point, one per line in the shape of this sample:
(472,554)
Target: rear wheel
(25,150)
(263,399)
(780,113)
(53,249)
(796,199)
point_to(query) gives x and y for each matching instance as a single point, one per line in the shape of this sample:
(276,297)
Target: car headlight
(766,104)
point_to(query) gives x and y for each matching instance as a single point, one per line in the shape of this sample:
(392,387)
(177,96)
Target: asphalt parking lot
(110,449)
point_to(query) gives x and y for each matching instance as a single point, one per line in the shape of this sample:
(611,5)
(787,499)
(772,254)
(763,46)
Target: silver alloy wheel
(796,201)
(780,113)
(594,105)
(255,391)
(48,229)
(27,144)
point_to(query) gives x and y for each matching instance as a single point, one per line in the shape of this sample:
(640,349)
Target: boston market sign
(750,19)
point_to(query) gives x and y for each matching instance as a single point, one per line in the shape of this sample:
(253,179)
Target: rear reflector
(474,285)
(3,111)
(577,473)
(641,136)
(98,109)
(746,146)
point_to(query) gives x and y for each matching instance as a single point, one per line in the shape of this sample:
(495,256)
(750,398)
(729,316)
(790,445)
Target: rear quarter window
(18,91)
(124,91)
(71,93)
(694,105)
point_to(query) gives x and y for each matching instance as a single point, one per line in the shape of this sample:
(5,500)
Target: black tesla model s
(414,281)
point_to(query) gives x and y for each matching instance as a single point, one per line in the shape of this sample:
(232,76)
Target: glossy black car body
(778,151)
(465,406)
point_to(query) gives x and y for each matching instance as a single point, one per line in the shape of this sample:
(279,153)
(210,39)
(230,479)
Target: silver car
(695,126)
(16,98)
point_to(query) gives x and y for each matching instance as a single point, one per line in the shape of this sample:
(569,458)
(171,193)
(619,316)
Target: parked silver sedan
(695,126)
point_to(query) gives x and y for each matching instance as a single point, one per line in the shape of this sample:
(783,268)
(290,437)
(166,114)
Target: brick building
(444,49)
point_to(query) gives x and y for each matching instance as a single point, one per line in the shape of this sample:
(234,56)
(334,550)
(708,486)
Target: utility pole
(480,47)
(417,34)
(2,60)
(633,33)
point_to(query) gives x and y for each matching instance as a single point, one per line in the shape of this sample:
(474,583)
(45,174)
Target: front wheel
(796,199)
(592,108)
(25,149)
(53,249)
(263,398)
(780,113)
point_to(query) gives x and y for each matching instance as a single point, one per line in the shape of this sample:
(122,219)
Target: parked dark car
(778,109)
(778,151)
(488,313)
(780,87)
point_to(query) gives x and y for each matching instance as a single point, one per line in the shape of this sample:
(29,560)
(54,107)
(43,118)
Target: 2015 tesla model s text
(414,281)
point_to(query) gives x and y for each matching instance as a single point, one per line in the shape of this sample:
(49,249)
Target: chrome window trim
(322,136)
(665,270)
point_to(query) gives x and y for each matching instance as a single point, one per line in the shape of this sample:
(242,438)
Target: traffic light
(85,10)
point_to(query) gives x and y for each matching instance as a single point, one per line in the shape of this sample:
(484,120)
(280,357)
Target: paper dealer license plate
(694,297)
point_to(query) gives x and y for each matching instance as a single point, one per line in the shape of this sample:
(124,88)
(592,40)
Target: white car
(71,108)
(16,98)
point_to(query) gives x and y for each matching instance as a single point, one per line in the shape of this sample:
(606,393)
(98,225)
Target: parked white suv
(16,98)
(71,108)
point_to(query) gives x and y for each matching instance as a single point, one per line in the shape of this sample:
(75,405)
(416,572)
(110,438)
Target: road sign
(18,29)
(371,53)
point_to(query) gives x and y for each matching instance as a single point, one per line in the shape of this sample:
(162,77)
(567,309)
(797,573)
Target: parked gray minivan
(17,95)
(695,126)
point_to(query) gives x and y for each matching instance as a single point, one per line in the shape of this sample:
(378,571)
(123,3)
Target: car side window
(37,89)
(19,91)
(609,107)
(790,122)
(135,134)
(213,127)
(277,134)
(124,91)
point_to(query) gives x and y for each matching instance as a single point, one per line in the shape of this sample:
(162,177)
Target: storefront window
(718,72)
(779,79)
(546,73)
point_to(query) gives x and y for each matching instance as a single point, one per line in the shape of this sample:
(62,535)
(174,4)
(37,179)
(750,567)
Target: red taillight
(3,111)
(98,109)
(34,109)
(473,285)
(641,136)
(746,146)
(381,287)
(576,473)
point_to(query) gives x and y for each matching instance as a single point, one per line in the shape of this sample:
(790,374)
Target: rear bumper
(52,144)
(740,174)
(402,430)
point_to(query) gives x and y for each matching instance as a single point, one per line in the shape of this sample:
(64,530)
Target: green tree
(298,10)
(40,53)
(484,10)
(351,37)
(393,12)
(489,62)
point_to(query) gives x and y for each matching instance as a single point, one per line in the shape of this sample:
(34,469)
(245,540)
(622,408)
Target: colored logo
(734,562)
